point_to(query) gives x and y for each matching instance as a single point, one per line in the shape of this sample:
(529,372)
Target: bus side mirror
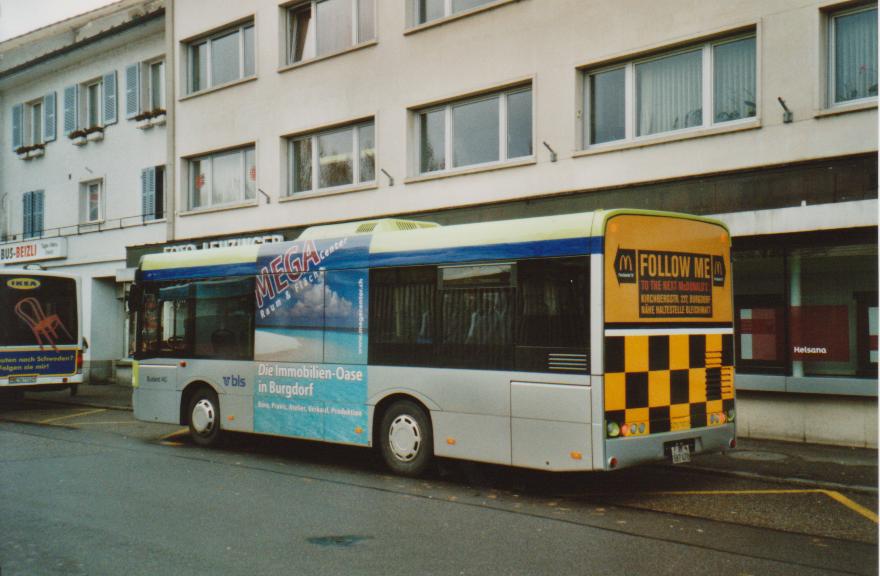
(85,344)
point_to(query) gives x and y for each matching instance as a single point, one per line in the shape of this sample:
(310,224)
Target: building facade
(81,169)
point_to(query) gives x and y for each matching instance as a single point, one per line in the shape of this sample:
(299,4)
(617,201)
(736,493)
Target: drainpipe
(170,124)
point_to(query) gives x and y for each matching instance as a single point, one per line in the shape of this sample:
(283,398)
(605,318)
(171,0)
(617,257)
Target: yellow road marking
(857,508)
(86,413)
(116,422)
(168,439)
(833,494)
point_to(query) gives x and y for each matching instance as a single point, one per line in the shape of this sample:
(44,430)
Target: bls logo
(234,381)
(625,266)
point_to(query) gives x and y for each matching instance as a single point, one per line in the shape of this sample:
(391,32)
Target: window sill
(457,16)
(699,133)
(213,89)
(847,108)
(528,161)
(321,193)
(304,63)
(223,208)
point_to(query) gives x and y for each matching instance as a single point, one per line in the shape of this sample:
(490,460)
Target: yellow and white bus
(587,341)
(41,345)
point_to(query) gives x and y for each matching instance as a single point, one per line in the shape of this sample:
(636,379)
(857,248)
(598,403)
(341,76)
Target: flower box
(95,136)
(159,120)
(144,124)
(36,153)
(79,140)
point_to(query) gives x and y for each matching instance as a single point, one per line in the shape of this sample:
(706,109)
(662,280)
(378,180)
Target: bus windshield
(37,310)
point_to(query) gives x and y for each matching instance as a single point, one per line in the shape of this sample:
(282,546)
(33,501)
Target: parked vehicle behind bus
(587,341)
(41,344)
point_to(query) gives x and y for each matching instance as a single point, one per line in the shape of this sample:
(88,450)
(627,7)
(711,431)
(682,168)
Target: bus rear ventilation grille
(568,362)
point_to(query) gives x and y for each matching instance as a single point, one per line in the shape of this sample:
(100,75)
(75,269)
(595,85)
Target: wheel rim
(405,438)
(203,416)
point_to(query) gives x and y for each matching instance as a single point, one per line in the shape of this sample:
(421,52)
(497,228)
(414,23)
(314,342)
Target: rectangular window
(427,10)
(36,127)
(322,27)
(669,92)
(221,58)
(532,315)
(333,158)
(91,201)
(853,55)
(93,105)
(211,318)
(156,86)
(32,214)
(492,128)
(222,179)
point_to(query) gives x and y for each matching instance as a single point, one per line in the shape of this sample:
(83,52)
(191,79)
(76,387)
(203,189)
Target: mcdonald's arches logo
(625,266)
(719,271)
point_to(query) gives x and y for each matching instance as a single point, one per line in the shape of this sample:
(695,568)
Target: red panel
(820,333)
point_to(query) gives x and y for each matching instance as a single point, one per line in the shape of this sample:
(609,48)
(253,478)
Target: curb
(87,404)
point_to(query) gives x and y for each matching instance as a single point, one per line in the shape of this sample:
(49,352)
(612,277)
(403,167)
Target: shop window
(831,297)
(760,311)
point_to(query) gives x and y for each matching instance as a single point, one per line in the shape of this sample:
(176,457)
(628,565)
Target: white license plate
(681,453)
(22,379)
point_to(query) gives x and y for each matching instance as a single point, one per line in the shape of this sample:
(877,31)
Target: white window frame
(148,88)
(242,199)
(449,130)
(313,6)
(85,208)
(31,135)
(831,88)
(207,40)
(316,167)
(447,11)
(86,102)
(630,97)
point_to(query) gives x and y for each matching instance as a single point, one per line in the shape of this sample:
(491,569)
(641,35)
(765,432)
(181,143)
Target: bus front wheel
(204,417)
(407,441)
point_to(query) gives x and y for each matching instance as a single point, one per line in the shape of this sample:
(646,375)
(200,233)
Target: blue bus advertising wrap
(311,340)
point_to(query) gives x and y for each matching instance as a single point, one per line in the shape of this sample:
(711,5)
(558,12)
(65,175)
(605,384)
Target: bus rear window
(37,310)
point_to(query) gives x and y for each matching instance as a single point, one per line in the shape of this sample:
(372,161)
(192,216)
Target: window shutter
(70,114)
(27,213)
(37,226)
(148,193)
(132,90)
(17,117)
(49,128)
(110,116)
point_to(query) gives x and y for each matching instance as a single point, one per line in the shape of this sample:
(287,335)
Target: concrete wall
(842,420)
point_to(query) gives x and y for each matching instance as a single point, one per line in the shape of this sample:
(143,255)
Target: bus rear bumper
(624,452)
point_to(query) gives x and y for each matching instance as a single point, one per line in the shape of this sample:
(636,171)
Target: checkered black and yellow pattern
(671,382)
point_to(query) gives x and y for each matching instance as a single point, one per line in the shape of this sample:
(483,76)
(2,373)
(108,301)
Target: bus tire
(407,440)
(204,417)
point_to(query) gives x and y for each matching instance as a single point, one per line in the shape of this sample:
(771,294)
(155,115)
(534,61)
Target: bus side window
(403,316)
(553,310)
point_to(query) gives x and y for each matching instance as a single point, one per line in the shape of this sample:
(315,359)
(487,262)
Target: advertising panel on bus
(311,340)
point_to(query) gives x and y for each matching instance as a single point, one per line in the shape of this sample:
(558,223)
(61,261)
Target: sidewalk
(807,465)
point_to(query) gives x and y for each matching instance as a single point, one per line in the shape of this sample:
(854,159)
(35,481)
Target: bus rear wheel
(407,440)
(204,417)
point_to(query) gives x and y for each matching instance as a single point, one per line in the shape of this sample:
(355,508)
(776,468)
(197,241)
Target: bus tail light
(613,429)
(79,360)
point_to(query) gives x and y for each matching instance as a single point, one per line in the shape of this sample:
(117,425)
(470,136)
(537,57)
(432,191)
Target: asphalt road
(92,491)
